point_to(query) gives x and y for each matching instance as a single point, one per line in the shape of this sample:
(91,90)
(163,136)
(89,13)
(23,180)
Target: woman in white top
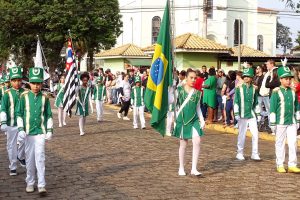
(125,98)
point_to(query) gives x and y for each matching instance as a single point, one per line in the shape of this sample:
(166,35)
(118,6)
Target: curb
(225,130)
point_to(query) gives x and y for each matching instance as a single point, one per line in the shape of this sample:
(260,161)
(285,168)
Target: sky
(290,21)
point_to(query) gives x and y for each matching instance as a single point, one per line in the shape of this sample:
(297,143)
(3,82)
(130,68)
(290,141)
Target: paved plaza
(115,161)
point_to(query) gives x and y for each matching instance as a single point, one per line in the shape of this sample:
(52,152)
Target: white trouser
(11,146)
(170,119)
(82,121)
(284,132)
(99,108)
(35,159)
(61,116)
(243,124)
(138,111)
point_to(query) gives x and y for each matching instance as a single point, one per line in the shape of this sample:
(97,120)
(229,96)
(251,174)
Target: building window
(260,43)
(236,32)
(155,28)
(210,10)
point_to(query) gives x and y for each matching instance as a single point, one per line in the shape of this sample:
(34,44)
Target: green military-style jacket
(245,102)
(99,92)
(9,103)
(60,97)
(137,96)
(83,100)
(284,107)
(34,115)
(188,118)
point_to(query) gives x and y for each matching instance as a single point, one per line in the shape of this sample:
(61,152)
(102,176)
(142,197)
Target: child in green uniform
(9,103)
(190,122)
(284,121)
(35,124)
(246,109)
(99,95)
(83,100)
(59,102)
(137,102)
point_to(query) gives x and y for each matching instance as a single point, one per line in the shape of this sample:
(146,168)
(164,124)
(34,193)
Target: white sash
(185,102)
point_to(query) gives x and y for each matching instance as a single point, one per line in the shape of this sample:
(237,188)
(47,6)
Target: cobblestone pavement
(114,161)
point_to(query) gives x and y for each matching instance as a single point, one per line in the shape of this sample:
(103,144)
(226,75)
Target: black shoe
(13,172)
(22,162)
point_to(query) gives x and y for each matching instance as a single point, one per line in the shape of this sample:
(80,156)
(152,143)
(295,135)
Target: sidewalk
(223,130)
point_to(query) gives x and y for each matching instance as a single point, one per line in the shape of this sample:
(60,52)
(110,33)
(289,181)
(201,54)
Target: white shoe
(42,190)
(220,119)
(240,156)
(82,133)
(65,124)
(144,127)
(119,115)
(59,125)
(255,157)
(168,134)
(126,118)
(273,133)
(195,173)
(29,188)
(135,127)
(181,172)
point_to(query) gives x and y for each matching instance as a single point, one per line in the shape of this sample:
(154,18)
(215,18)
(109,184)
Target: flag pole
(70,36)
(172,31)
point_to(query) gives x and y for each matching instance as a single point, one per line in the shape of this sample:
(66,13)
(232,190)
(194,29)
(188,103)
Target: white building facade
(141,21)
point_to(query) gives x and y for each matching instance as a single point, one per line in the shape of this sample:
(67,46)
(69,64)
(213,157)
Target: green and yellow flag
(156,96)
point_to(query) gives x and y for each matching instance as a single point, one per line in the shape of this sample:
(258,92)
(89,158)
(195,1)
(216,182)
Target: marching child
(190,122)
(35,124)
(284,121)
(137,102)
(246,109)
(83,100)
(99,95)
(8,116)
(59,102)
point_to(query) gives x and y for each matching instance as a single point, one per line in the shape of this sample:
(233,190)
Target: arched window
(236,32)
(260,43)
(155,28)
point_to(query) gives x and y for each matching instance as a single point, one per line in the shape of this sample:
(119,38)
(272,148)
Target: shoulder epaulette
(276,89)
(25,92)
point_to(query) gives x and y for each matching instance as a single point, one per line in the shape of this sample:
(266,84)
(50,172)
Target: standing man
(284,120)
(204,72)
(220,82)
(10,101)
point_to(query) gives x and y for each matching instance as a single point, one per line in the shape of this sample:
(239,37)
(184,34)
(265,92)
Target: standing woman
(59,102)
(190,122)
(210,94)
(125,98)
(83,99)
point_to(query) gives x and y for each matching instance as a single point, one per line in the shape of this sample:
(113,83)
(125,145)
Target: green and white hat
(249,72)
(137,79)
(15,72)
(36,75)
(6,78)
(100,79)
(284,72)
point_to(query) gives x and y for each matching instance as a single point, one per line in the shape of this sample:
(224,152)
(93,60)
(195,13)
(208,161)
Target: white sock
(182,147)
(60,110)
(64,117)
(81,124)
(196,151)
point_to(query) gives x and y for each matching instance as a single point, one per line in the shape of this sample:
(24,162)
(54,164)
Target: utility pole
(239,44)
(205,8)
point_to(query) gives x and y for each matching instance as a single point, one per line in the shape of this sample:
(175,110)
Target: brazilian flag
(156,95)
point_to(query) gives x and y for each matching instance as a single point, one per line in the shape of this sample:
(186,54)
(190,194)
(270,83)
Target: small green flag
(156,95)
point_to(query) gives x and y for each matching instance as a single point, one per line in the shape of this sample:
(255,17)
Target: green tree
(283,37)
(95,24)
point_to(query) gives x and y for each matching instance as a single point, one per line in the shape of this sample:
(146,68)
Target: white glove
(48,136)
(21,137)
(298,125)
(273,128)
(237,117)
(258,118)
(4,127)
